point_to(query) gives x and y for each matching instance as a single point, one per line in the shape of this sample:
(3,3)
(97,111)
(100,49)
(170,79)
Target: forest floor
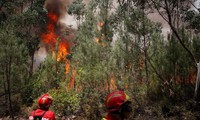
(188,110)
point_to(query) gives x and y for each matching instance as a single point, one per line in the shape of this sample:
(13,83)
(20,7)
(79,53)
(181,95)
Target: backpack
(38,117)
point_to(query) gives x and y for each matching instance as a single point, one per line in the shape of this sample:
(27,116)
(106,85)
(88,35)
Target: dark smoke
(58,7)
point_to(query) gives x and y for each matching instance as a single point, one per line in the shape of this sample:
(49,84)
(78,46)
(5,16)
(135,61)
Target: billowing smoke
(58,7)
(57,10)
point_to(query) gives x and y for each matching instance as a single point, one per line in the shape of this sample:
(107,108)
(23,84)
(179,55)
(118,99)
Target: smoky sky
(58,7)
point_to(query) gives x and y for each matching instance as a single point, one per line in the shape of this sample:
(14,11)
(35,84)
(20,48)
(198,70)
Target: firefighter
(43,112)
(118,106)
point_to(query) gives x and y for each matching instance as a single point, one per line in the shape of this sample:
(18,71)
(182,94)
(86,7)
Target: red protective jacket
(46,115)
(111,117)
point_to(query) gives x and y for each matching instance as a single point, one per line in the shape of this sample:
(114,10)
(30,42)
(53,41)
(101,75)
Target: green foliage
(77,8)
(91,62)
(192,18)
(175,68)
(65,102)
(196,47)
(13,62)
(91,104)
(32,20)
(109,45)
(89,51)
(14,50)
(17,103)
(50,74)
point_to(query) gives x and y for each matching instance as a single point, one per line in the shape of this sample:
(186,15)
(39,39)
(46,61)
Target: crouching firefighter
(43,112)
(118,106)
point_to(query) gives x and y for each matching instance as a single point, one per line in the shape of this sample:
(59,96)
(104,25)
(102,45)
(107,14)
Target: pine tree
(13,62)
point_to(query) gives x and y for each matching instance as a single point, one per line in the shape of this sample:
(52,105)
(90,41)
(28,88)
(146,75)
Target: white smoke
(196,6)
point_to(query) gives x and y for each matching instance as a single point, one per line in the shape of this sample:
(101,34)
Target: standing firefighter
(118,106)
(43,112)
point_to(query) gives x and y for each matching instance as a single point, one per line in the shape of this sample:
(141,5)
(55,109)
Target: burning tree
(53,38)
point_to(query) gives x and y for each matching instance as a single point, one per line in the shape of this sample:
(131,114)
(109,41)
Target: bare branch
(177,35)
(159,12)
(120,3)
(194,5)
(169,21)
(155,70)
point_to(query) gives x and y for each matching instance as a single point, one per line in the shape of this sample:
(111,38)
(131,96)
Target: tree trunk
(31,68)
(196,93)
(177,35)
(145,48)
(6,97)
(8,76)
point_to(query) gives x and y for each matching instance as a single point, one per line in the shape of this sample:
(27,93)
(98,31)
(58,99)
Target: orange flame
(112,84)
(71,83)
(63,51)
(100,24)
(100,42)
(51,39)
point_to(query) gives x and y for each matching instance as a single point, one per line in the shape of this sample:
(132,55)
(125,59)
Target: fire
(100,25)
(100,42)
(51,39)
(53,18)
(100,37)
(62,51)
(112,84)
(97,40)
(72,79)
